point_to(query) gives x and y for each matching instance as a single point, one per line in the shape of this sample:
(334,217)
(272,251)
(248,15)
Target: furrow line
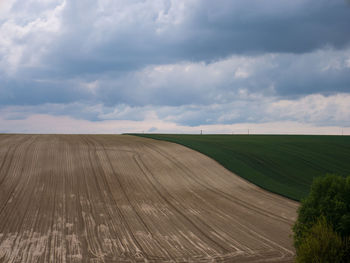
(129,201)
(217,191)
(148,173)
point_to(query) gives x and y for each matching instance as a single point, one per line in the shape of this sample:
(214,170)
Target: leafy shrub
(323,225)
(321,244)
(329,197)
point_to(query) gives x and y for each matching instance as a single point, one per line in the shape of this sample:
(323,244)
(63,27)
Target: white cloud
(241,73)
(24,40)
(5,7)
(91,86)
(314,108)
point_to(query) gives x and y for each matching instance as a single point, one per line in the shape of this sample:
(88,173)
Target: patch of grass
(283,164)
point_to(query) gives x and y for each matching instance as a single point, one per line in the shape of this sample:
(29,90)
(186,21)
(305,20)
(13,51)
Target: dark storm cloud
(128,38)
(269,26)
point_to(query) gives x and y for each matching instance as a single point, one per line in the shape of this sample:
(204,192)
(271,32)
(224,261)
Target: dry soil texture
(85,198)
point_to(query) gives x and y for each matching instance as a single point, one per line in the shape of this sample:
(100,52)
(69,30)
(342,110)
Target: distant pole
(248,131)
(201,132)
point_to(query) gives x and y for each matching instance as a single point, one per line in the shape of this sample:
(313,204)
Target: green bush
(321,244)
(329,197)
(323,225)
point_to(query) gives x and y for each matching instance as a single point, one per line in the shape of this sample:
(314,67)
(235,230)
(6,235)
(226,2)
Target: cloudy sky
(114,66)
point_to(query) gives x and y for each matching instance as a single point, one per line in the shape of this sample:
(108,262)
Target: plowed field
(108,198)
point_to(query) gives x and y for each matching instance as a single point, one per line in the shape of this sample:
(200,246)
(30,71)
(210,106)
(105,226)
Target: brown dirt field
(109,198)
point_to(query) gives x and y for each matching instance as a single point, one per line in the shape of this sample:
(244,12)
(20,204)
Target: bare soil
(109,198)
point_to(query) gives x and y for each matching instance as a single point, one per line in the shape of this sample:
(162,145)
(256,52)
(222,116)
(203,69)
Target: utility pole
(248,131)
(201,132)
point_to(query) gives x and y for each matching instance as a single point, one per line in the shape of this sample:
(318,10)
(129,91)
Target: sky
(175,66)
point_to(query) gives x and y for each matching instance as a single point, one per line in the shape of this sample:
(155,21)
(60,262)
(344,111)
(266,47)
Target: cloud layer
(188,63)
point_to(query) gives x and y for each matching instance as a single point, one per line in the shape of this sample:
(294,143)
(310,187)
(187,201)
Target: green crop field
(283,164)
